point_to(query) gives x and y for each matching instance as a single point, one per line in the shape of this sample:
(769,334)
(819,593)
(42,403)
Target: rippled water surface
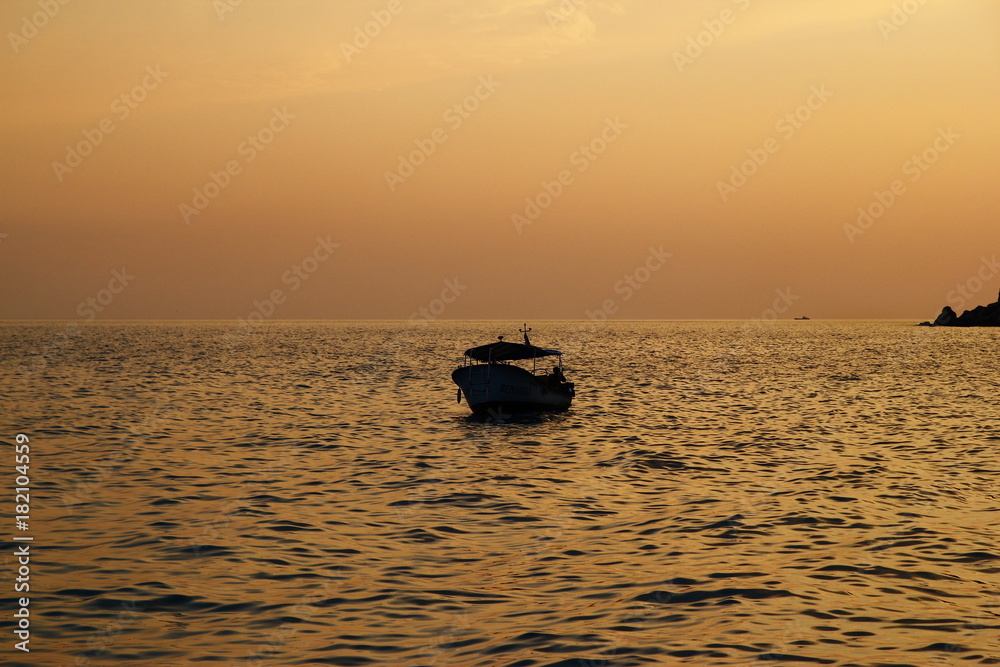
(311,494)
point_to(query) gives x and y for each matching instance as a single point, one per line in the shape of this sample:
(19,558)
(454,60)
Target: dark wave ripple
(310,494)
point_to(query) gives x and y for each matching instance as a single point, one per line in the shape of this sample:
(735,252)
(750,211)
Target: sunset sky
(519,159)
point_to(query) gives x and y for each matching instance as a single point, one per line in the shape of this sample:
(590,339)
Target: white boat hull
(510,388)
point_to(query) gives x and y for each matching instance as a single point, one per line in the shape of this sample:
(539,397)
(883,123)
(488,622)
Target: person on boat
(557,376)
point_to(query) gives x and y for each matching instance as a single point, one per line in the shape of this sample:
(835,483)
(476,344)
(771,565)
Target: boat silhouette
(491,381)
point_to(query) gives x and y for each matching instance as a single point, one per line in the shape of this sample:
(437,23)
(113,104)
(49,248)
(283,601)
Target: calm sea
(310,493)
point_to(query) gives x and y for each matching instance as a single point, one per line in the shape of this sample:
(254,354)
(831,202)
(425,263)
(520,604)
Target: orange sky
(498,158)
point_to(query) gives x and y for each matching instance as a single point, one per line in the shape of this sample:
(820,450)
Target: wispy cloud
(452,37)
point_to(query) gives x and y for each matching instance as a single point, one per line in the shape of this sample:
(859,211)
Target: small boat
(490,382)
(802,318)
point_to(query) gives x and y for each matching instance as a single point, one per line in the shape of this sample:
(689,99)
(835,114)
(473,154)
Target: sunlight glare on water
(310,493)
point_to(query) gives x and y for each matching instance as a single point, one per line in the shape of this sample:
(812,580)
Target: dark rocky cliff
(980,316)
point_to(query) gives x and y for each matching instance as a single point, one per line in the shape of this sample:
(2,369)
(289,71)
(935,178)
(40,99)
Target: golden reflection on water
(311,494)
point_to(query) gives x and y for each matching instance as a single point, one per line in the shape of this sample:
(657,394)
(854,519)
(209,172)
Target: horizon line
(423,322)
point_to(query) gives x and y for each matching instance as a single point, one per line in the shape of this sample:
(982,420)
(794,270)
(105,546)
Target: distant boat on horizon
(490,382)
(802,318)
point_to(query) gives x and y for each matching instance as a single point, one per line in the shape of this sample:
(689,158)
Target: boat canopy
(504,351)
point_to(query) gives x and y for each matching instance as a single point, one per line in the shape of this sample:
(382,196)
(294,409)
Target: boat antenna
(525,331)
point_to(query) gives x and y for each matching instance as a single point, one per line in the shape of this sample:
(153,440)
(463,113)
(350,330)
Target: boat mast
(534,360)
